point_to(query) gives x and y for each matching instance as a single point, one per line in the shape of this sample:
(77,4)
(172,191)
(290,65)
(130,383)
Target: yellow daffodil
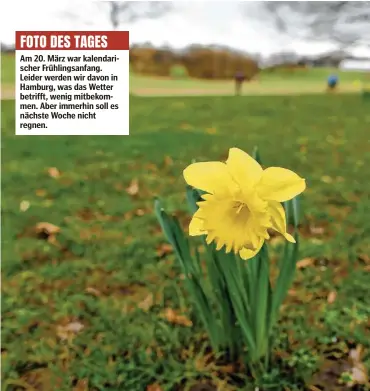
(242,202)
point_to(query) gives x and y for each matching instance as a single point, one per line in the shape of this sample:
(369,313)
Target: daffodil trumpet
(235,205)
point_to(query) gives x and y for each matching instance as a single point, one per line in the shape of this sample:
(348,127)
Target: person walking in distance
(239,79)
(333,81)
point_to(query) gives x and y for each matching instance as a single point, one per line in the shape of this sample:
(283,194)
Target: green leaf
(295,203)
(287,208)
(192,197)
(237,298)
(262,299)
(285,278)
(163,221)
(175,235)
(256,155)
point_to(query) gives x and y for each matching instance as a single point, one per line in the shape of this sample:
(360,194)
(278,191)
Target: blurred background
(301,42)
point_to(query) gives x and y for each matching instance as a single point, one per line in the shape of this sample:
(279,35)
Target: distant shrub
(195,62)
(179,72)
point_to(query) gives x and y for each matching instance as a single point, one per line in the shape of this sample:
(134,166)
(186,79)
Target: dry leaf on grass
(48,228)
(305,262)
(140,212)
(24,205)
(154,387)
(133,188)
(331,297)
(40,192)
(47,231)
(292,292)
(81,385)
(173,317)
(358,370)
(147,303)
(92,291)
(54,172)
(69,330)
(316,230)
(164,249)
(211,130)
(168,161)
(364,258)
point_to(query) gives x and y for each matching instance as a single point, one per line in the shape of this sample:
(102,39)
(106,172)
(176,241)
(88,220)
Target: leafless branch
(119,12)
(343,22)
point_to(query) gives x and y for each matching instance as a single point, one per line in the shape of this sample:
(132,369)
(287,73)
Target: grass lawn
(7,69)
(86,305)
(310,81)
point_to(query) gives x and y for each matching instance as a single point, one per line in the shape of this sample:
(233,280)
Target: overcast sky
(204,22)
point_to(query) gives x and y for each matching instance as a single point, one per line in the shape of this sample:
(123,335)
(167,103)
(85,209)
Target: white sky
(202,22)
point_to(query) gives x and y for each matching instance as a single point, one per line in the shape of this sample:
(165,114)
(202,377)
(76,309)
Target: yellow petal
(196,227)
(246,253)
(243,168)
(278,220)
(280,184)
(212,177)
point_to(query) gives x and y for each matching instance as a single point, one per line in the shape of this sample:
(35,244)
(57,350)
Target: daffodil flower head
(242,202)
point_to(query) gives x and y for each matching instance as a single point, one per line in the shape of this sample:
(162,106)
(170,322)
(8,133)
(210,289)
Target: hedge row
(203,63)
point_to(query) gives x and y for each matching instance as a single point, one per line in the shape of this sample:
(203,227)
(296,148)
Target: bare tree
(343,22)
(119,12)
(130,11)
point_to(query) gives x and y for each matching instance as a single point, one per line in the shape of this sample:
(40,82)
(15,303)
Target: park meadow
(93,297)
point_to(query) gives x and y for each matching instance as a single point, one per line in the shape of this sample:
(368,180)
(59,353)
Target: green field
(7,68)
(310,81)
(85,305)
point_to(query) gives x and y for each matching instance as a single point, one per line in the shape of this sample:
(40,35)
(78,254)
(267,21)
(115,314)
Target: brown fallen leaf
(140,212)
(305,262)
(24,205)
(358,370)
(92,291)
(164,249)
(69,330)
(40,192)
(47,231)
(316,230)
(168,161)
(153,387)
(331,297)
(172,317)
(81,385)
(53,172)
(211,130)
(230,368)
(133,188)
(364,258)
(38,379)
(147,303)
